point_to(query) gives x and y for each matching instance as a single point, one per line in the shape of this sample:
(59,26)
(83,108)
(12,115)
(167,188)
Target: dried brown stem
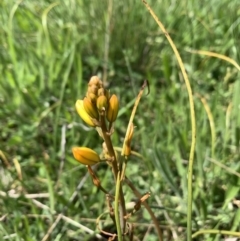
(154,219)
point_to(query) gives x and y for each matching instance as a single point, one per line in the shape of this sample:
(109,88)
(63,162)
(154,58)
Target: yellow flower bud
(101,91)
(127,150)
(102,102)
(92,97)
(85,155)
(94,81)
(113,106)
(90,108)
(83,114)
(93,89)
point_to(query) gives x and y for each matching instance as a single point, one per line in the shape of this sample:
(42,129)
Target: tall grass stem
(193,122)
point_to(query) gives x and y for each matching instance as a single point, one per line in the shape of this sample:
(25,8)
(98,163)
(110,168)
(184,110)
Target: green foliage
(48,52)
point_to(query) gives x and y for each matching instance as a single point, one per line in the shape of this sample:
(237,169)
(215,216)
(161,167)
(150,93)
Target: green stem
(214,231)
(111,152)
(193,121)
(118,184)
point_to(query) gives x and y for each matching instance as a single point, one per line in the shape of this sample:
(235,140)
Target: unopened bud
(101,91)
(113,106)
(85,155)
(127,150)
(94,81)
(83,114)
(93,89)
(102,102)
(90,108)
(92,97)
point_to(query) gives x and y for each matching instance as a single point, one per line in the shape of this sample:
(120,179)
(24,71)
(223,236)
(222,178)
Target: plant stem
(130,123)
(215,231)
(111,152)
(193,121)
(154,219)
(118,184)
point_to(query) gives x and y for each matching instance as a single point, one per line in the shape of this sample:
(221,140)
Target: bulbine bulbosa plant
(99,109)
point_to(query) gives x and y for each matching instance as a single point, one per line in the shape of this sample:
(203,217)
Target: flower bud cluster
(97,102)
(97,106)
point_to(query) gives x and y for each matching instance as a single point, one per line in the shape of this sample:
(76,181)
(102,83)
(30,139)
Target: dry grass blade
(216,55)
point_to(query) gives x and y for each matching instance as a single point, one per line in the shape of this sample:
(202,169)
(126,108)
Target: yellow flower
(83,114)
(85,155)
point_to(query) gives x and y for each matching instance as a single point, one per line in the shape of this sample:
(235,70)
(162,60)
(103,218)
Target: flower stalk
(99,109)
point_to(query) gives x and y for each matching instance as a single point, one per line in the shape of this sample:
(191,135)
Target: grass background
(48,52)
